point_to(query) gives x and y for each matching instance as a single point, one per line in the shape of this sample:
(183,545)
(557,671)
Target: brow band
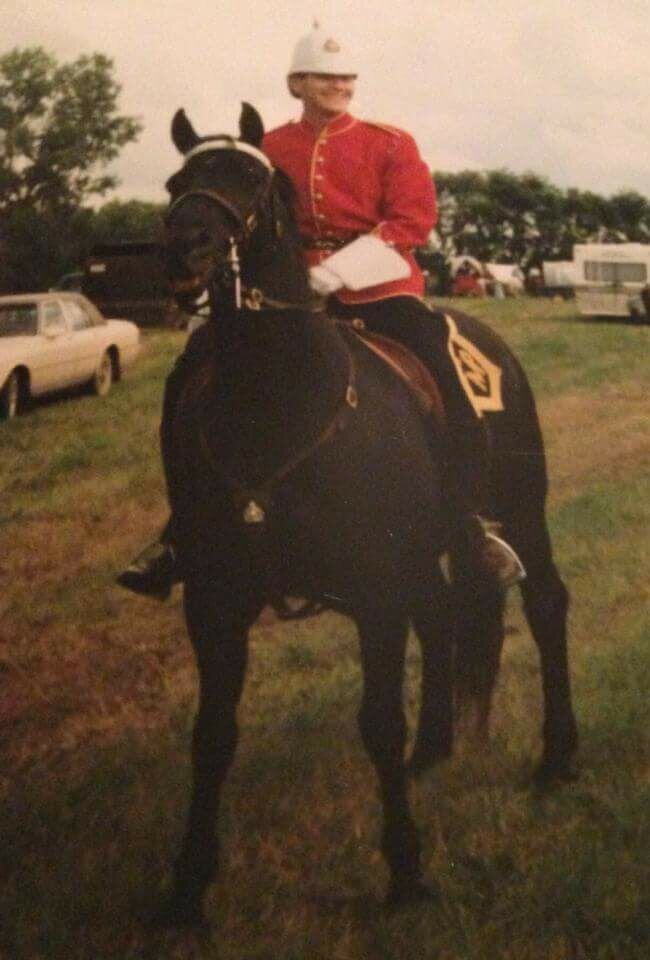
(224,144)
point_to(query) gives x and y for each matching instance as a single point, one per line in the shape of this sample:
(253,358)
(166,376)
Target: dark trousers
(425,332)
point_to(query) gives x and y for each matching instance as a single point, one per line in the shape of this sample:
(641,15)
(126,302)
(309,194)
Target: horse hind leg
(546,602)
(433,625)
(382,723)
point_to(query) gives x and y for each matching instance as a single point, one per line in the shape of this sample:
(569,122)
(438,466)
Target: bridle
(246,219)
(254,503)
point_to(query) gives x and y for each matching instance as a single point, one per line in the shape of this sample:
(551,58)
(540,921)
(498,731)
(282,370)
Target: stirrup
(502,561)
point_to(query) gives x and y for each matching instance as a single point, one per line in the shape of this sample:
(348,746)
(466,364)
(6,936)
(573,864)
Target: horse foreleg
(221,651)
(433,625)
(383,729)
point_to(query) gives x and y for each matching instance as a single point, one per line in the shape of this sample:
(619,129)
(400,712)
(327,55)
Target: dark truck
(127,280)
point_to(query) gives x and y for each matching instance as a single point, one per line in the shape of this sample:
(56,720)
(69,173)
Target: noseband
(245,219)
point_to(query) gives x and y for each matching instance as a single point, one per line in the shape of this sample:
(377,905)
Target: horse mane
(287,193)
(291,280)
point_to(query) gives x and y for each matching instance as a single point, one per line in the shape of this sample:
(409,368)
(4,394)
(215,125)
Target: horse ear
(184,135)
(251,128)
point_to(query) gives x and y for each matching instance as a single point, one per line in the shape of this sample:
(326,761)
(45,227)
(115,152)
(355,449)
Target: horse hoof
(408,893)
(553,773)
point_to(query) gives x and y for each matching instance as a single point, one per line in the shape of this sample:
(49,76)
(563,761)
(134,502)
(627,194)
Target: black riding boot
(466,463)
(156,569)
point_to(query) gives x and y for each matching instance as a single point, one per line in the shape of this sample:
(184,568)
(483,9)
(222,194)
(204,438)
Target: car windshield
(18,319)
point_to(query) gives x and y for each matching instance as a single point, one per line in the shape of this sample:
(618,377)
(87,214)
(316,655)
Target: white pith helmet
(318,52)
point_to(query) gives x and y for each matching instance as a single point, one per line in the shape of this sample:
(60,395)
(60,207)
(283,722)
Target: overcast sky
(560,87)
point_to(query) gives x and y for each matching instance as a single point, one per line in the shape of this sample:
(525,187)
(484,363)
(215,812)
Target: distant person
(645,297)
(356,179)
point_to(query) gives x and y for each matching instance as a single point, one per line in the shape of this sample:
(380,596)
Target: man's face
(327,93)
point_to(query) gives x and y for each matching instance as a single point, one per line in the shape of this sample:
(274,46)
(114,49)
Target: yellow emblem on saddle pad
(480,378)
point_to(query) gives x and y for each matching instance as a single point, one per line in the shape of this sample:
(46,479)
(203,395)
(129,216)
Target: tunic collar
(337,125)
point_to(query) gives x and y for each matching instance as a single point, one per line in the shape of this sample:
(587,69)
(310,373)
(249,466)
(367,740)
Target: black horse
(299,464)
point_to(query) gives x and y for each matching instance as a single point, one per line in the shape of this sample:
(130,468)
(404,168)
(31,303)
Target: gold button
(319,196)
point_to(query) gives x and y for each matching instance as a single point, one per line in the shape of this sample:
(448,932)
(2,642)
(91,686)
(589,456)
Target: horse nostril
(204,238)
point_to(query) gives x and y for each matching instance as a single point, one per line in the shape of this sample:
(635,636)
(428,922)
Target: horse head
(216,199)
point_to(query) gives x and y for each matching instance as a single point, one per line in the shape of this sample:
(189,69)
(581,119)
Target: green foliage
(39,248)
(498,216)
(130,220)
(59,128)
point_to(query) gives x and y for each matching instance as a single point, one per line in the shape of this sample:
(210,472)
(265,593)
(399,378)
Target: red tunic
(355,177)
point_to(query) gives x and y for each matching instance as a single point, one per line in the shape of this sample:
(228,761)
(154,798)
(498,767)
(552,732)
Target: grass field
(97,691)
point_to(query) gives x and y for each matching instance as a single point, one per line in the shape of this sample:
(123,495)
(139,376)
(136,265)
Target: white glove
(366,262)
(323,281)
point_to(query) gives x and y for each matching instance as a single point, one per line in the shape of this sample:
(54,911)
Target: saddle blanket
(479,377)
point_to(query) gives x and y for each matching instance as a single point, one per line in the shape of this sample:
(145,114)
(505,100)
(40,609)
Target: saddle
(408,368)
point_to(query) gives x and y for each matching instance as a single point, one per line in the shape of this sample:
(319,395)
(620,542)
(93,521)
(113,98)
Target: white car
(52,341)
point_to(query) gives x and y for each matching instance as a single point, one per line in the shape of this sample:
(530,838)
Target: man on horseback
(356,180)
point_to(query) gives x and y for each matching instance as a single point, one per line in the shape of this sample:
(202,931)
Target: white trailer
(609,278)
(559,277)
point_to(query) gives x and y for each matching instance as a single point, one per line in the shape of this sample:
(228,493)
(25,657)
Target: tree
(37,249)
(129,220)
(504,217)
(630,216)
(466,214)
(59,129)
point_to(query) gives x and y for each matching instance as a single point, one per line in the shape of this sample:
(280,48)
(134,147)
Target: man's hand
(323,281)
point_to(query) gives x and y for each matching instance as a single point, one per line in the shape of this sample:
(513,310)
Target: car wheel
(11,397)
(103,377)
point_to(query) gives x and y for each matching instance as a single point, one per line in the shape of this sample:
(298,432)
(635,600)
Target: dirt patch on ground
(82,662)
(590,438)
